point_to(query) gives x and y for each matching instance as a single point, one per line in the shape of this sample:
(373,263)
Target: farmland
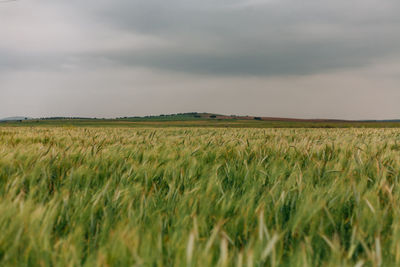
(181,196)
(202,120)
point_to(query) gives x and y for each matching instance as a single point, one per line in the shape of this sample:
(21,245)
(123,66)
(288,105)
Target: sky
(279,58)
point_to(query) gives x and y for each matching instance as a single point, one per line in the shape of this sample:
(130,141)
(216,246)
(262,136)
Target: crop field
(200,123)
(78,196)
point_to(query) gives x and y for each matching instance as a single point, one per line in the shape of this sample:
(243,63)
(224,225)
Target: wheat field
(199,197)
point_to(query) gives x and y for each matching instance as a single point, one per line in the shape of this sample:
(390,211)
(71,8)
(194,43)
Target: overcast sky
(286,58)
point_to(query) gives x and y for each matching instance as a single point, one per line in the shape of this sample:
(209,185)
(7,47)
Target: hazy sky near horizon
(286,58)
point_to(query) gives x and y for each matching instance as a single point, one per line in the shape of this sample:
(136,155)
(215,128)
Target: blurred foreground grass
(199,197)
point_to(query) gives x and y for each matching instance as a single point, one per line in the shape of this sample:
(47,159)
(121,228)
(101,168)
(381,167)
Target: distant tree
(257,118)
(213,116)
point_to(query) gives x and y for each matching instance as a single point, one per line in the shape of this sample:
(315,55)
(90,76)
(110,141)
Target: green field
(190,122)
(107,196)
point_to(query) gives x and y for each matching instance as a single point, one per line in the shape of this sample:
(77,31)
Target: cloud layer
(216,49)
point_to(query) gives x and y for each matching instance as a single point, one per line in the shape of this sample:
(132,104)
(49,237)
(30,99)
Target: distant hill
(191,117)
(205,115)
(15,119)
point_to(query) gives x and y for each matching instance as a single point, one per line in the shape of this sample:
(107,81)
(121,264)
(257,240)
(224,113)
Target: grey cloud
(15,61)
(286,59)
(252,38)
(116,92)
(314,58)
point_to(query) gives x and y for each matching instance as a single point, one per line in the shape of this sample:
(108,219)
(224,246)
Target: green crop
(199,197)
